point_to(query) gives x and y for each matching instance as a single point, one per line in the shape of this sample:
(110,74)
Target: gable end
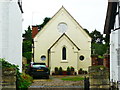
(68,39)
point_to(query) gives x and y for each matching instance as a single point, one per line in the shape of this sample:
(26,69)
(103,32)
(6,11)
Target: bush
(85,72)
(72,68)
(23,80)
(60,71)
(6,64)
(56,70)
(81,71)
(68,71)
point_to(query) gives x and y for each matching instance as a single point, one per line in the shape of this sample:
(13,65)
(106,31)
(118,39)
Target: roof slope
(68,39)
(110,17)
(50,21)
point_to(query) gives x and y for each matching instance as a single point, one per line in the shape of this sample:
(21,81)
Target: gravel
(55,81)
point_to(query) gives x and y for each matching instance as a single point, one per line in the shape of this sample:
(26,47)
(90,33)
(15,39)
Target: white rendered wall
(114,52)
(119,55)
(11,32)
(113,56)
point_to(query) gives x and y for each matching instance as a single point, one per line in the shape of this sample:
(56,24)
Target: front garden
(75,78)
(68,71)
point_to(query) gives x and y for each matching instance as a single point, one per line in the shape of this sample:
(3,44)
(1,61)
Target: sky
(90,14)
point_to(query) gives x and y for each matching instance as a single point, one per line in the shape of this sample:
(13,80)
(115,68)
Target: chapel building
(62,42)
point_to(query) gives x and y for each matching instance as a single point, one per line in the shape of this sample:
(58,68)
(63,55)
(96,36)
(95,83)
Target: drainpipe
(48,57)
(33,50)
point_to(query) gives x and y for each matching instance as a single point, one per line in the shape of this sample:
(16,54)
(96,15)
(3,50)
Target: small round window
(81,57)
(43,57)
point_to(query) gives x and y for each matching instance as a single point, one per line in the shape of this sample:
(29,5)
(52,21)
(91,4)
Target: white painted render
(115,52)
(11,32)
(74,37)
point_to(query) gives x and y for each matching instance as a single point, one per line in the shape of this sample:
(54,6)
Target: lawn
(75,78)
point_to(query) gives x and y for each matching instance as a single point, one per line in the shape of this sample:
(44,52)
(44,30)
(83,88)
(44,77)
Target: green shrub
(23,80)
(68,71)
(72,68)
(56,70)
(60,71)
(80,71)
(6,64)
(85,72)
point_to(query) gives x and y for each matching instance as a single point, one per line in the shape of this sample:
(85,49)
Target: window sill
(64,61)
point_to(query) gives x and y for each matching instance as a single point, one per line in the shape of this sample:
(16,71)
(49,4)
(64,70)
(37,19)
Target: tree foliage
(99,49)
(27,41)
(96,36)
(27,44)
(99,44)
(45,21)
(28,34)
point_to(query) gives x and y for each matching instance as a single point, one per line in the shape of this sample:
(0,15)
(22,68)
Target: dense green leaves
(27,44)
(23,80)
(96,36)
(6,64)
(99,49)
(27,41)
(28,34)
(45,21)
(99,44)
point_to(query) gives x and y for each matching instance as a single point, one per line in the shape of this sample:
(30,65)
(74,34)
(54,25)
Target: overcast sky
(90,14)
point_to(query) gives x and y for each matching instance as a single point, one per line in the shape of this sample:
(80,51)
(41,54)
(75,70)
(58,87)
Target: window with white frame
(64,53)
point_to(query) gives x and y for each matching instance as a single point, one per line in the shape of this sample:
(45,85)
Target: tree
(27,44)
(86,31)
(99,49)
(97,46)
(107,39)
(28,34)
(45,21)
(27,41)
(96,36)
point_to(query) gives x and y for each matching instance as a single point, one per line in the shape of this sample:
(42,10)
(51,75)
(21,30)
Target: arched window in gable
(63,53)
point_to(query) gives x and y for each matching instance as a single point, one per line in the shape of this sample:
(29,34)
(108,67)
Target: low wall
(99,77)
(8,79)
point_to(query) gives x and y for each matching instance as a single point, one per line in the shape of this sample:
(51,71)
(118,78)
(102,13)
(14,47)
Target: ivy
(23,80)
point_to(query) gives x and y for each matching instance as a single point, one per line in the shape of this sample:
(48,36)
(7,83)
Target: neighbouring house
(112,27)
(11,31)
(62,42)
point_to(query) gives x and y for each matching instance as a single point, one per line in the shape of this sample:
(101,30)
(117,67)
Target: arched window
(63,53)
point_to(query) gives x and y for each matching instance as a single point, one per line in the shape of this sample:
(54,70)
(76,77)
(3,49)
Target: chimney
(34,31)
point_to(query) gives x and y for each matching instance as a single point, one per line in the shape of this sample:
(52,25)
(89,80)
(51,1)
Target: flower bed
(60,71)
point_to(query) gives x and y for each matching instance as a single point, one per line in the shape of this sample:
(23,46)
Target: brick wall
(34,31)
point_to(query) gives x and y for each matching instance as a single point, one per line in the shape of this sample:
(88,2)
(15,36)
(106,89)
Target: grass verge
(76,78)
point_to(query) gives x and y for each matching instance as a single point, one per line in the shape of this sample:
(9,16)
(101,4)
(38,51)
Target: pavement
(56,82)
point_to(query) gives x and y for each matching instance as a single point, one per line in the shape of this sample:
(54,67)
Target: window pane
(64,53)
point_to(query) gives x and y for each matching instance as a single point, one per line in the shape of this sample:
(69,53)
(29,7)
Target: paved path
(55,82)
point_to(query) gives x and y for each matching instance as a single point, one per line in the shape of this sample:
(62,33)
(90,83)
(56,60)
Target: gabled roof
(20,5)
(68,39)
(70,16)
(110,17)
